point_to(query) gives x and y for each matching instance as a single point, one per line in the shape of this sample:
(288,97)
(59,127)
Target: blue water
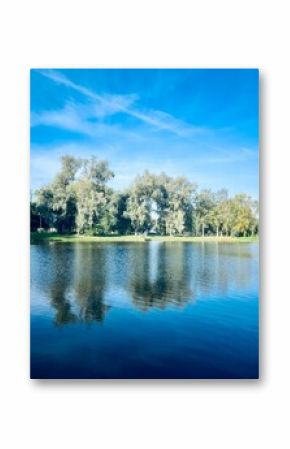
(144,310)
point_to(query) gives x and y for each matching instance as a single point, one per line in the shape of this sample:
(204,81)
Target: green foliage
(80,200)
(91,193)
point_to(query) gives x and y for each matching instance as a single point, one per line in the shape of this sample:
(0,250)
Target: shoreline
(36,237)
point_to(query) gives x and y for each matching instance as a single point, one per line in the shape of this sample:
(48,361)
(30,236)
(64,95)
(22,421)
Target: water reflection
(159,277)
(81,279)
(90,282)
(220,267)
(151,310)
(61,276)
(77,284)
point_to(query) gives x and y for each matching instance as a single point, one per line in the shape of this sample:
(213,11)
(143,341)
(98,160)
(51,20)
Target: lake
(144,310)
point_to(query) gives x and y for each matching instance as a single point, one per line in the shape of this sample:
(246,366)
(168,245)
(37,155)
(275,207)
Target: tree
(204,204)
(254,225)
(44,207)
(160,202)
(116,207)
(59,197)
(160,198)
(91,193)
(215,215)
(80,199)
(139,203)
(242,214)
(180,196)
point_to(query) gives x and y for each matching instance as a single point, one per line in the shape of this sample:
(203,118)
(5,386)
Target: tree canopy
(79,199)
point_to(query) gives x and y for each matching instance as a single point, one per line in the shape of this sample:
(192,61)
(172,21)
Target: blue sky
(199,123)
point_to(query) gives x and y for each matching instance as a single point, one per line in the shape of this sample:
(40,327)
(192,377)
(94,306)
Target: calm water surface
(152,310)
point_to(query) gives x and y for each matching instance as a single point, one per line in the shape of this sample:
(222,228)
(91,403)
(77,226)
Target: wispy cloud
(106,105)
(133,131)
(69,118)
(85,119)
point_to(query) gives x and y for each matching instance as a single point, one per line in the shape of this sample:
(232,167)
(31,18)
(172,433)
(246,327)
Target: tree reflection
(154,274)
(90,282)
(78,270)
(220,267)
(159,275)
(61,276)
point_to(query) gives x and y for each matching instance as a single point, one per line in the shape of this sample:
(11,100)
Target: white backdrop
(149,33)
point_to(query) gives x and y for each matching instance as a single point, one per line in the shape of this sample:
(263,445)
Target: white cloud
(80,118)
(68,118)
(126,104)
(132,150)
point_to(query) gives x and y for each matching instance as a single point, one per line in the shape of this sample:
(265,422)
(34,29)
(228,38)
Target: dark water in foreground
(152,310)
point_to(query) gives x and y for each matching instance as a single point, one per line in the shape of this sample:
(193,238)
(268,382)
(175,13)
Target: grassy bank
(36,237)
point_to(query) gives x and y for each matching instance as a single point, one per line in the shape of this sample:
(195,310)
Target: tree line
(79,200)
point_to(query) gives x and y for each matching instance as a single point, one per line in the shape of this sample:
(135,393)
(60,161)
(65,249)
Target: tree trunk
(217,231)
(203,229)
